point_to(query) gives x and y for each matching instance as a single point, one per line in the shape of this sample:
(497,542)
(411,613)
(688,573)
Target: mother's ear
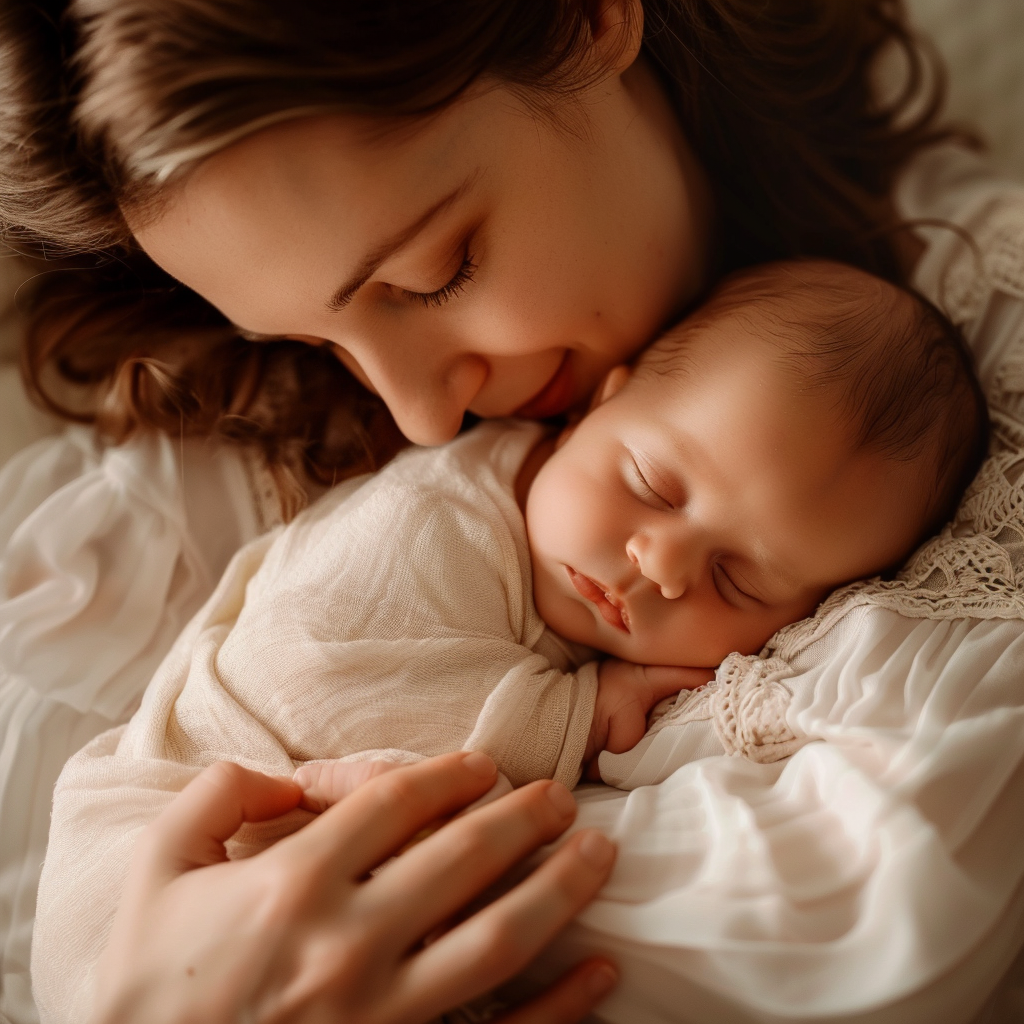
(617,29)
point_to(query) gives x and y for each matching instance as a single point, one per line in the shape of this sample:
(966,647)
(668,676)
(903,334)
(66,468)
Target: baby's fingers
(324,783)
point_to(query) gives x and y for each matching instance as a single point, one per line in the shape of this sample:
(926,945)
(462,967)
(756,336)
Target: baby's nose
(660,564)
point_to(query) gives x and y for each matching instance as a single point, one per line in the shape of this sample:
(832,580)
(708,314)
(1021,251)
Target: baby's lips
(610,609)
(624,614)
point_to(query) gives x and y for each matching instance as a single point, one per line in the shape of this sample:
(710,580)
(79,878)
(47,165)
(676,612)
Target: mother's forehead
(298,194)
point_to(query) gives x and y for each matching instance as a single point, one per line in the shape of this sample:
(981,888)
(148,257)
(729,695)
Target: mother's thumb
(192,829)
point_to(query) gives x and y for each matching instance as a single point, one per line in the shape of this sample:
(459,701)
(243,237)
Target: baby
(807,426)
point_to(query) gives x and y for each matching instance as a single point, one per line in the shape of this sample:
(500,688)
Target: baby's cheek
(759,627)
(707,635)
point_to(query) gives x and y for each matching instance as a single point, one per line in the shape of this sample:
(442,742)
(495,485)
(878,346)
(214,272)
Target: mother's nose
(427,395)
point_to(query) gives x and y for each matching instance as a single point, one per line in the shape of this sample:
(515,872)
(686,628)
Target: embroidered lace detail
(748,702)
(685,706)
(997,264)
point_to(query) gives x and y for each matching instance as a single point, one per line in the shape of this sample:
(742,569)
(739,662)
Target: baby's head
(807,426)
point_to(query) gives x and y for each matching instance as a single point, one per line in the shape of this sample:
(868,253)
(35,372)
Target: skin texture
(306,937)
(557,245)
(700,509)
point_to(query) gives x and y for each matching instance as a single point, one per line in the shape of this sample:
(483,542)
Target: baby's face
(694,513)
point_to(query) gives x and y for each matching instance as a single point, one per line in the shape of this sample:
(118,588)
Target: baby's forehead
(784,323)
(828,341)
(720,350)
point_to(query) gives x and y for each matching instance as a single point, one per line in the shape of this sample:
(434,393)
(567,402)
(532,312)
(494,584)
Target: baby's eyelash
(719,573)
(644,489)
(448,291)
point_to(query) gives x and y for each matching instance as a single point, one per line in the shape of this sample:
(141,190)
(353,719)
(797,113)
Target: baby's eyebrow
(772,581)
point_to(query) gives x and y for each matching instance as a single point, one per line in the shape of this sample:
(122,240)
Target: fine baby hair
(892,365)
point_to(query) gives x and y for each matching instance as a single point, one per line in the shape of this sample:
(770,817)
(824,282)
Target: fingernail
(597,849)
(561,799)
(479,764)
(602,980)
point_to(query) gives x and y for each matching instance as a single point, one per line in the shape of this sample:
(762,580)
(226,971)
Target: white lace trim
(746,704)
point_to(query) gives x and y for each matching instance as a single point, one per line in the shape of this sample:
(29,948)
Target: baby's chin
(636,649)
(647,651)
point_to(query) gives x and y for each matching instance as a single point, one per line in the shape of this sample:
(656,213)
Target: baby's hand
(625,693)
(325,783)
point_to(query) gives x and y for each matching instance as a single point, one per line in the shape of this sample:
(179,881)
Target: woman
(464,207)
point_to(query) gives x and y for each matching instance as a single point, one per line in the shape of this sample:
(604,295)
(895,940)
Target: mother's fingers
(438,877)
(191,831)
(498,941)
(363,830)
(571,998)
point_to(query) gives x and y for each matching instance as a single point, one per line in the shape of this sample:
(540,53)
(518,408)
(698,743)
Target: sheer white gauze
(974,568)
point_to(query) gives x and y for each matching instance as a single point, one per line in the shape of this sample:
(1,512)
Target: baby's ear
(614,381)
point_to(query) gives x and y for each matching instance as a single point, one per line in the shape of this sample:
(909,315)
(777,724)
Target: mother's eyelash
(448,291)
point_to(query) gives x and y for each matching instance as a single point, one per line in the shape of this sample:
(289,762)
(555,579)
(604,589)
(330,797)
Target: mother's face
(485,259)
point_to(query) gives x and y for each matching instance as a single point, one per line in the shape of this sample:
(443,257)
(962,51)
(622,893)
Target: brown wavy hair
(106,101)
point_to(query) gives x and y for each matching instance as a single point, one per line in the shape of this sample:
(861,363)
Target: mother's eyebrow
(370,263)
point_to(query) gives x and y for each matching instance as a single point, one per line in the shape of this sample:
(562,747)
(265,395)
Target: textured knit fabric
(392,619)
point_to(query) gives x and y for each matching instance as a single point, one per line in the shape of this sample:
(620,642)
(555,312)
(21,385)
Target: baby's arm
(626,693)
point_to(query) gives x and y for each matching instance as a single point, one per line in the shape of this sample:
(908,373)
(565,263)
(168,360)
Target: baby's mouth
(611,609)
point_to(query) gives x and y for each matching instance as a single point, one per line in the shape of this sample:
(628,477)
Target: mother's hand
(300,933)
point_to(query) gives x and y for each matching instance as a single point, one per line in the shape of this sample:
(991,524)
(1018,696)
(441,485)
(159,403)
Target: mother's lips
(556,396)
(611,611)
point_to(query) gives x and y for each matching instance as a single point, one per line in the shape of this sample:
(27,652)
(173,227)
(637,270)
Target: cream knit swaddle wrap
(392,619)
